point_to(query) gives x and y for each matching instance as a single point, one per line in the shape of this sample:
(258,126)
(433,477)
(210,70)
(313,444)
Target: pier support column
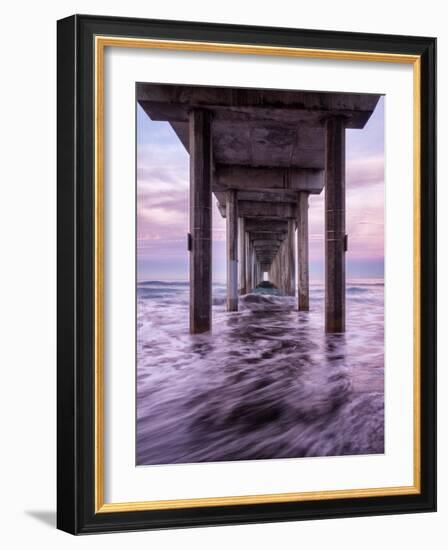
(241,257)
(200,221)
(274,272)
(254,268)
(335,225)
(302,252)
(232,250)
(248,263)
(291,257)
(284,267)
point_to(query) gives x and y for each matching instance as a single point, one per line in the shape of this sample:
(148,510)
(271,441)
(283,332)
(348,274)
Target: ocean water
(266,383)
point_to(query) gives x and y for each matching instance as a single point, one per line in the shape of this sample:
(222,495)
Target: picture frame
(82,41)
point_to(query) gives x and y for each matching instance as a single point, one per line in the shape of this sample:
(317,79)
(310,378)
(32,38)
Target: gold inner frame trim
(101,42)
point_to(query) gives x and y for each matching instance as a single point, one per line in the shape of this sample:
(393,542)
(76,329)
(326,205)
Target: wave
(357,289)
(162,283)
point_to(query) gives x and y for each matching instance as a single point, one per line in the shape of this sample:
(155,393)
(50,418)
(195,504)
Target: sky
(162,205)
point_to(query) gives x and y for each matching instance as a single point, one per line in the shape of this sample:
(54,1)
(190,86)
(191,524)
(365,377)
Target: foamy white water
(266,383)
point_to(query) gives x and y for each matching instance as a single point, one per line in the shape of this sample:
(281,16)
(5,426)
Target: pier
(261,153)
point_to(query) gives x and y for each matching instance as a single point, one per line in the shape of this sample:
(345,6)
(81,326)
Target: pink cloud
(364,211)
(162,203)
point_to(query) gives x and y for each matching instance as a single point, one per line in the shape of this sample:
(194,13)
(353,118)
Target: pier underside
(261,153)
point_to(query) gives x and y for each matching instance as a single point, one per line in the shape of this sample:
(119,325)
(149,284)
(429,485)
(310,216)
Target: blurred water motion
(266,383)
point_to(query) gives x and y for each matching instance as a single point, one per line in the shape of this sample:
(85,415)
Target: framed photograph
(246,274)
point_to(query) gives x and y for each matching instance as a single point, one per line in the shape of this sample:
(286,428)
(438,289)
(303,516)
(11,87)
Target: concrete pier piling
(241,257)
(302,252)
(200,221)
(291,263)
(232,250)
(248,264)
(270,151)
(335,225)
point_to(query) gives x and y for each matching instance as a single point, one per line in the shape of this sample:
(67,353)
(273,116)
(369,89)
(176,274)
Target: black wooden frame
(75,174)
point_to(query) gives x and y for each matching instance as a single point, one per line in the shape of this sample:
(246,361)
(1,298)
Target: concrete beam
(267,226)
(172,102)
(269,245)
(258,243)
(247,178)
(267,251)
(271,195)
(258,235)
(248,209)
(264,258)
